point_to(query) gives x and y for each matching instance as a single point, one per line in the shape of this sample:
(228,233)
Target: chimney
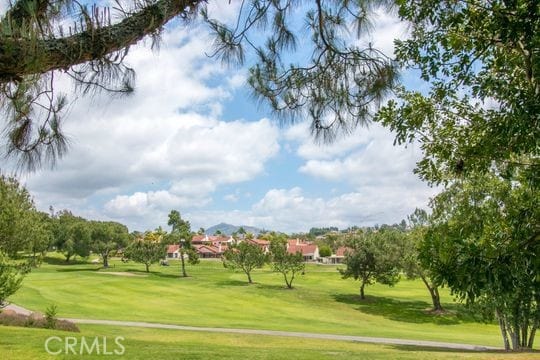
(297,241)
(219,246)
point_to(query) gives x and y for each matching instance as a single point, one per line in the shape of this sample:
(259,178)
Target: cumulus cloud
(164,146)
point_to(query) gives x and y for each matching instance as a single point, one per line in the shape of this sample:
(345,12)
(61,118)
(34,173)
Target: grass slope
(213,296)
(143,344)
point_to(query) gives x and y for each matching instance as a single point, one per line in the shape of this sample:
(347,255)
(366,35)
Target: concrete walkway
(363,339)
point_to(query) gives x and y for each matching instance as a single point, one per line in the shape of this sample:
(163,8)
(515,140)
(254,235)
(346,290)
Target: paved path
(364,339)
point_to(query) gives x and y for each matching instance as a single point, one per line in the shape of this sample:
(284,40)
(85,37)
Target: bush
(50,316)
(34,320)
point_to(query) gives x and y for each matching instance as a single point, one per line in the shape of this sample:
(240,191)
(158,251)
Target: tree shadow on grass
(480,350)
(403,310)
(77,269)
(274,287)
(58,261)
(224,283)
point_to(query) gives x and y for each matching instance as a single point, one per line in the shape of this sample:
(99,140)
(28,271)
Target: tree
(40,236)
(481,61)
(418,227)
(374,257)
(181,234)
(108,237)
(17,217)
(148,249)
(325,251)
(246,256)
(338,87)
(285,263)
(72,235)
(11,276)
(485,245)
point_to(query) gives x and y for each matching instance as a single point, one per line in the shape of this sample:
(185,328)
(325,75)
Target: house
(263,244)
(173,252)
(210,251)
(211,240)
(309,251)
(338,257)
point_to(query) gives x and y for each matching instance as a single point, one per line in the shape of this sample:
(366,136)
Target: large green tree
(481,108)
(484,243)
(181,235)
(72,235)
(107,237)
(374,257)
(325,76)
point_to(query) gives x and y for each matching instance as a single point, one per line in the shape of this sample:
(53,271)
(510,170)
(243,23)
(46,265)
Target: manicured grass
(213,296)
(24,343)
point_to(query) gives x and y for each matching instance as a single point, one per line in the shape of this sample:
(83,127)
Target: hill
(228,229)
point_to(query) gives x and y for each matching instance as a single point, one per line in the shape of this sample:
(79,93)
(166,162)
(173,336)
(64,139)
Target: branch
(20,56)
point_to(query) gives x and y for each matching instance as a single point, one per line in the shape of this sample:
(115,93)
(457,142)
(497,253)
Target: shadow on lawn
(444,350)
(225,283)
(62,261)
(408,311)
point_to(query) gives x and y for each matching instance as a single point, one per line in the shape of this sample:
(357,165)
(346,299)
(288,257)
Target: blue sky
(191,139)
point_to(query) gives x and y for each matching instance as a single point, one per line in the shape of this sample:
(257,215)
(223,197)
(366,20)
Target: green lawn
(213,296)
(144,344)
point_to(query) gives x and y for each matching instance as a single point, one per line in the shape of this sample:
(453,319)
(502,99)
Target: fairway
(215,297)
(144,344)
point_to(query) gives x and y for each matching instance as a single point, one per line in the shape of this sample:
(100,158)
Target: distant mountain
(228,229)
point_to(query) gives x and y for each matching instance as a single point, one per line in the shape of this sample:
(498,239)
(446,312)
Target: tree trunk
(531,336)
(362,296)
(504,333)
(184,274)
(68,256)
(147,267)
(249,277)
(105,260)
(434,292)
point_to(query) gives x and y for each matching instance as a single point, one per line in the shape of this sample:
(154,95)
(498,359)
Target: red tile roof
(342,251)
(172,248)
(305,249)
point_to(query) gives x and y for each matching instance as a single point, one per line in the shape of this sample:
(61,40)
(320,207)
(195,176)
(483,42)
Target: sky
(191,138)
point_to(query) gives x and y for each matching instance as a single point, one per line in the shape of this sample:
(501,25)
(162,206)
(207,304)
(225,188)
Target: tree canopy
(331,79)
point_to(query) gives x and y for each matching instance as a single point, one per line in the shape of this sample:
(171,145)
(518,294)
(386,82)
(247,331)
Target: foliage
(246,256)
(11,276)
(338,86)
(485,244)
(72,235)
(325,251)
(41,39)
(108,237)
(412,266)
(148,249)
(284,262)
(481,60)
(340,83)
(181,234)
(51,316)
(19,223)
(375,257)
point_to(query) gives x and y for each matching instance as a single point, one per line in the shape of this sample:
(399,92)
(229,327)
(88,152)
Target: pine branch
(21,56)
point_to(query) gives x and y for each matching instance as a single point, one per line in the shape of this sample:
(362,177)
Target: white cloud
(164,146)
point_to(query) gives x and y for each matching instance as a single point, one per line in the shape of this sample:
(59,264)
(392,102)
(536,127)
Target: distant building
(309,250)
(338,257)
